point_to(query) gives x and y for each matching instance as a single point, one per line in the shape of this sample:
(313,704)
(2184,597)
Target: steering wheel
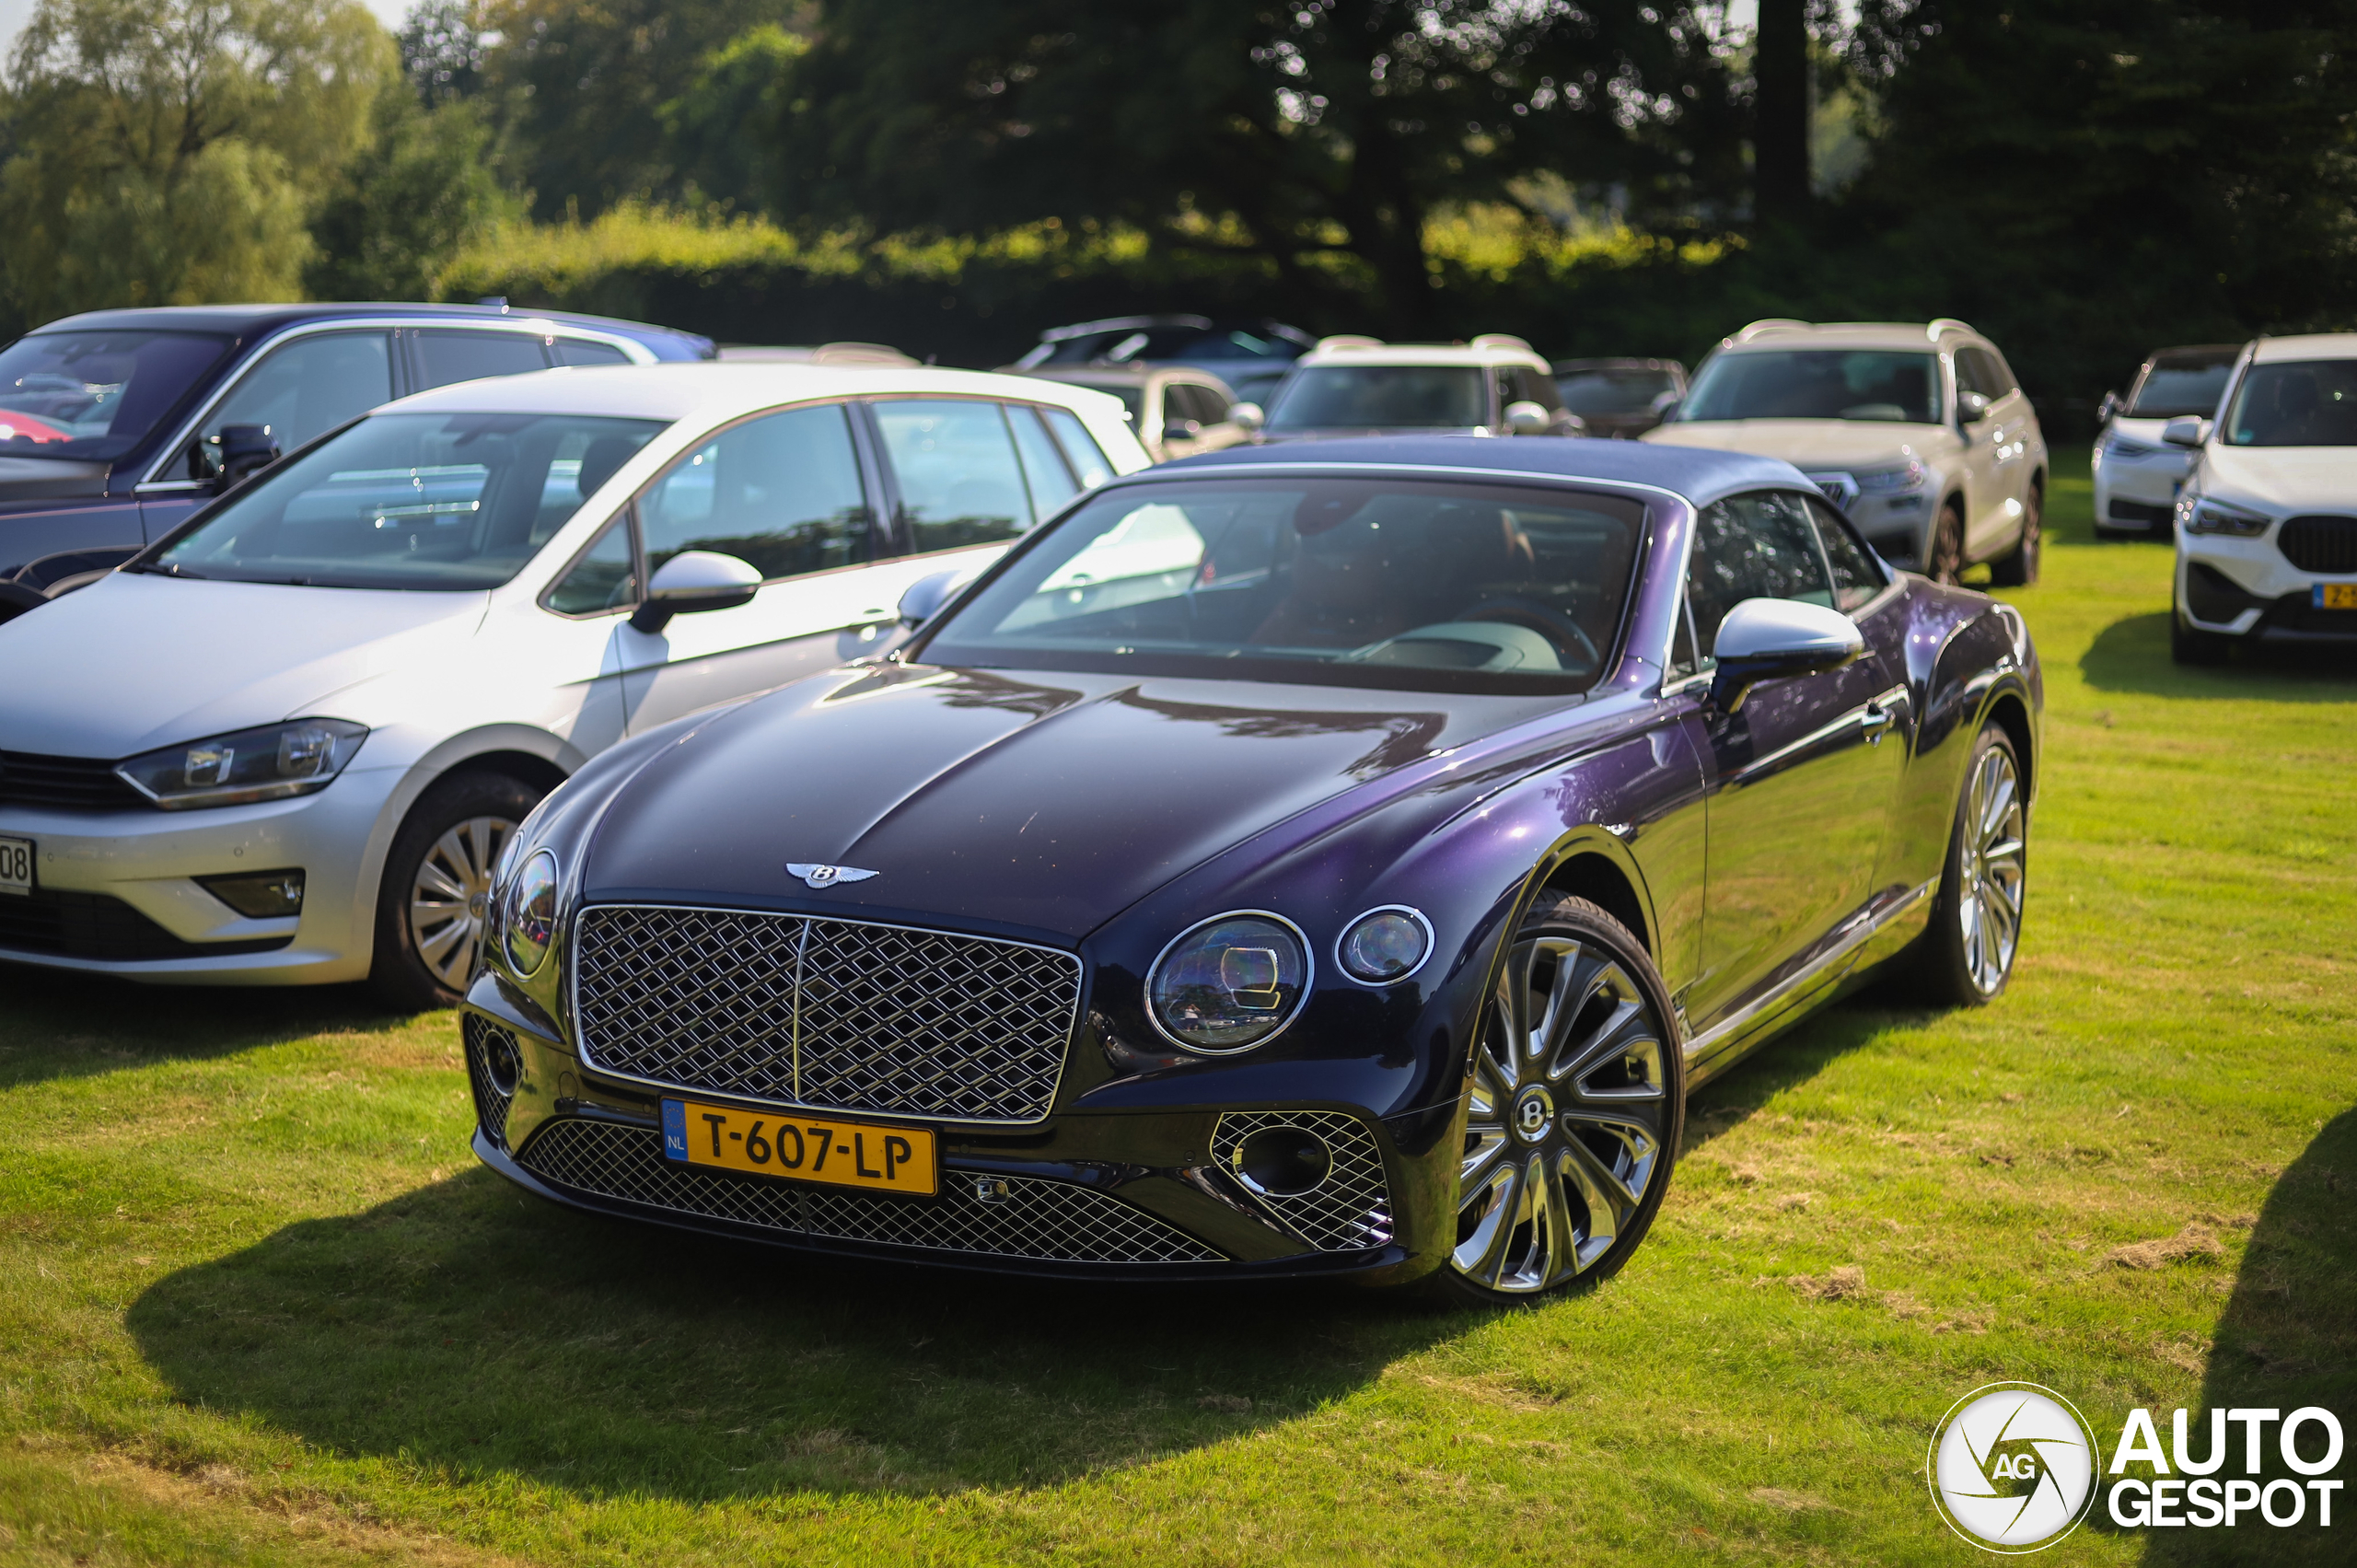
(1532,616)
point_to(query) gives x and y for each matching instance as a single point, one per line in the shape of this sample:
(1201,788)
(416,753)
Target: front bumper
(1140,1195)
(2138,495)
(2244,587)
(115,891)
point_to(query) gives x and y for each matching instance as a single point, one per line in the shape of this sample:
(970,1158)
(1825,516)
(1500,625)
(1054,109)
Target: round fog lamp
(528,915)
(1281,1162)
(1385,945)
(1230,983)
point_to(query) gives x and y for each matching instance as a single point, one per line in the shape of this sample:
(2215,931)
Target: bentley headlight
(527,914)
(1385,945)
(2202,515)
(1230,983)
(269,764)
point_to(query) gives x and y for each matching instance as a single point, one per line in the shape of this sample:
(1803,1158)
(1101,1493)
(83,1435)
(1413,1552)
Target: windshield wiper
(173,570)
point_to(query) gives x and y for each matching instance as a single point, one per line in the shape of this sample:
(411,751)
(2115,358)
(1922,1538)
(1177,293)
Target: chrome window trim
(572,991)
(1308,982)
(516,326)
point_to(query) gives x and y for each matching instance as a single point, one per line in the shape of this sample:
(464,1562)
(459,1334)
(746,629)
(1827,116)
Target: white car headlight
(1229,984)
(268,764)
(2201,515)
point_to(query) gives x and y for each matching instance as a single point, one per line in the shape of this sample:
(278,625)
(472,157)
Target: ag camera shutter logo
(2012,1467)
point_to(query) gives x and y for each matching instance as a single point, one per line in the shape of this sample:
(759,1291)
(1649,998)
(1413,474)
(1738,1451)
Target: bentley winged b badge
(826,875)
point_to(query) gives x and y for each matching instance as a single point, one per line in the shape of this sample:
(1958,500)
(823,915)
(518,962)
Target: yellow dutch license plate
(802,1148)
(2337,595)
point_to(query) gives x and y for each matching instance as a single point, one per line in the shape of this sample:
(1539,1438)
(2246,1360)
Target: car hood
(2282,479)
(1811,444)
(1033,803)
(137,661)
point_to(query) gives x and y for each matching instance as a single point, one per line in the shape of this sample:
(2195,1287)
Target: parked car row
(878,809)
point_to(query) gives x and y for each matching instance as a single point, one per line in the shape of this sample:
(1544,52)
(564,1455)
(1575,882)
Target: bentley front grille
(1024,1217)
(837,1014)
(1350,1209)
(483,1038)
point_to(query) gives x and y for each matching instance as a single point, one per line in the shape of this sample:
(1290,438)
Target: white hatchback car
(1496,385)
(2267,522)
(2137,474)
(285,744)
(1920,433)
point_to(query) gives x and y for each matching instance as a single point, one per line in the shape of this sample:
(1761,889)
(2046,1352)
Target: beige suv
(1920,433)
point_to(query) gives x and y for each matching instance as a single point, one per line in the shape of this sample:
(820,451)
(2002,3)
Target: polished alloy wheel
(1990,909)
(450,896)
(1568,1115)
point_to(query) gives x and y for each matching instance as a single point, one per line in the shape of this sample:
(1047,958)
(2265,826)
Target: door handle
(1876,722)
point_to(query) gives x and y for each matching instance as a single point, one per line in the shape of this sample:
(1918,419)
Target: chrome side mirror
(695,580)
(2186,430)
(1527,418)
(1772,639)
(1246,418)
(246,450)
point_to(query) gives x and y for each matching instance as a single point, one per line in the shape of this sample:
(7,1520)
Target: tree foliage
(170,151)
(425,186)
(1314,138)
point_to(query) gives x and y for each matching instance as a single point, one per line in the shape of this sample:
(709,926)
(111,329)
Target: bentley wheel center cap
(1534,1112)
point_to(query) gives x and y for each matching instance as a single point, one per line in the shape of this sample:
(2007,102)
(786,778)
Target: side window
(1968,373)
(1509,390)
(1856,577)
(1531,387)
(1044,468)
(1683,658)
(1087,459)
(301,390)
(1996,376)
(782,492)
(603,578)
(1752,547)
(581,351)
(446,356)
(959,481)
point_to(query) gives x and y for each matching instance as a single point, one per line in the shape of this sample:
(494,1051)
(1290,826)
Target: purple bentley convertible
(1338,861)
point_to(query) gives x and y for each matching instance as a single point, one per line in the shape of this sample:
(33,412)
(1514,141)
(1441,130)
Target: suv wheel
(2019,570)
(1945,563)
(430,902)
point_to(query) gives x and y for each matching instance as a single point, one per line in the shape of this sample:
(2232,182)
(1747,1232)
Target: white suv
(2267,523)
(1920,433)
(1496,385)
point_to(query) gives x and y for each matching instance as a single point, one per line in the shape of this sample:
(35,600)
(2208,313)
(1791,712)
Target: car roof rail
(1503,340)
(1772,324)
(1348,340)
(1947,324)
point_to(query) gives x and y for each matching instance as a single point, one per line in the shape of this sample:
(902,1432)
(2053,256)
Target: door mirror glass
(1771,639)
(693,581)
(2186,430)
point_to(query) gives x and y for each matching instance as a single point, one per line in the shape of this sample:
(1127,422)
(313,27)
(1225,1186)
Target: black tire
(2019,570)
(2191,646)
(1944,562)
(1964,957)
(426,949)
(1570,1149)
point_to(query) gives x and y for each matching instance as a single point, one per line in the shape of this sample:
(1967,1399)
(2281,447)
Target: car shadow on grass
(2287,1339)
(63,1025)
(470,1327)
(1790,1059)
(2132,655)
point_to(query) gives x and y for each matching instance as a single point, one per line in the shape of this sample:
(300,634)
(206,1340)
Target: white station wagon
(285,744)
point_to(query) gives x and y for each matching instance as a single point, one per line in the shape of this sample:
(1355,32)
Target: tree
(170,151)
(1314,138)
(1780,111)
(585,83)
(425,185)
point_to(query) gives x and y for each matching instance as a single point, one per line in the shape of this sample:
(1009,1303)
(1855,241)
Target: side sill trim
(1704,1049)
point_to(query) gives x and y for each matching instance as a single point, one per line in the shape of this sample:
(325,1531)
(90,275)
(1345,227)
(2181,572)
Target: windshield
(1419,584)
(2168,391)
(1613,392)
(1878,384)
(96,395)
(1382,397)
(2300,402)
(427,501)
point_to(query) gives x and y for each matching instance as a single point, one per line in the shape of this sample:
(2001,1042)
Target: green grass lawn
(258,1303)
